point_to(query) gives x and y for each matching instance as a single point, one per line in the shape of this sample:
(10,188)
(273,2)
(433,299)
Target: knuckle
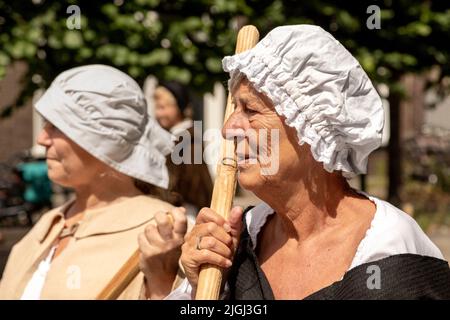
(149,233)
(183,219)
(222,261)
(209,243)
(230,242)
(204,254)
(203,213)
(149,227)
(211,227)
(163,223)
(179,212)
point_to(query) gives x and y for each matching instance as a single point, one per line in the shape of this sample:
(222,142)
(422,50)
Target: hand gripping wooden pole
(124,276)
(210,277)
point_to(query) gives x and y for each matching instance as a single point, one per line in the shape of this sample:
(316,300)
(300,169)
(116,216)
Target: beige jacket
(104,240)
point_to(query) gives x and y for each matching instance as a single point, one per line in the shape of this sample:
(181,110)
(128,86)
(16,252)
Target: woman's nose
(44,138)
(235,126)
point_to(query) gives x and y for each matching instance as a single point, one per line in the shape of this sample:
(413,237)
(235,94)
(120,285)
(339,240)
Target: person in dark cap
(172,106)
(191,181)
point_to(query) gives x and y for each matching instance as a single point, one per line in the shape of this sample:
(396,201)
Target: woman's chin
(249,177)
(58,178)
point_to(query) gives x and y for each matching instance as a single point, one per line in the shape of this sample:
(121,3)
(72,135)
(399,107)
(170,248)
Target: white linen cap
(104,111)
(320,89)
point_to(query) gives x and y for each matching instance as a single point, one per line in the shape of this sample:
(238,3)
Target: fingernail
(228,263)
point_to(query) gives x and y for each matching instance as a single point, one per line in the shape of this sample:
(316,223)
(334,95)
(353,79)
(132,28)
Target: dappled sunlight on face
(68,164)
(264,151)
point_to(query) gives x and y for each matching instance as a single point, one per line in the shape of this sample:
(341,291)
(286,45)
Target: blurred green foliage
(186,39)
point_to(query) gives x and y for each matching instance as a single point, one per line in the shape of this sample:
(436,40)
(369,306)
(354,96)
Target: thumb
(235,223)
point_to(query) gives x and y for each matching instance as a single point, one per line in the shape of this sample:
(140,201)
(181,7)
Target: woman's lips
(243,160)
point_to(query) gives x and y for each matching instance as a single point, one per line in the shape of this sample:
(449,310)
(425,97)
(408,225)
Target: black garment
(403,276)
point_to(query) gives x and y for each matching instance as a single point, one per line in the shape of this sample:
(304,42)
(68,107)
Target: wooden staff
(210,276)
(124,276)
(121,279)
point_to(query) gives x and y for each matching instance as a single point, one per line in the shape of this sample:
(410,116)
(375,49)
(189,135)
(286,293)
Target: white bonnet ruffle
(104,111)
(320,89)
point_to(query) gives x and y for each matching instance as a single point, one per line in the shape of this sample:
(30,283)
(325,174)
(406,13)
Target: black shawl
(403,276)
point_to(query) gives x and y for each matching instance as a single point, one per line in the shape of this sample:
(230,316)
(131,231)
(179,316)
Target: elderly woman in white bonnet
(101,142)
(313,236)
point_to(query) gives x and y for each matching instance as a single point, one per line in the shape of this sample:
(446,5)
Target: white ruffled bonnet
(104,111)
(320,89)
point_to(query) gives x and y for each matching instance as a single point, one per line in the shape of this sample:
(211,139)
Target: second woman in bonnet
(101,142)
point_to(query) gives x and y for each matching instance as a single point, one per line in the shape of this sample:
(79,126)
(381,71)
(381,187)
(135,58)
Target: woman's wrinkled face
(68,164)
(267,149)
(166,110)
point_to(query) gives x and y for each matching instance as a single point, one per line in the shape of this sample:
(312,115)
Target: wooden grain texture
(210,277)
(121,279)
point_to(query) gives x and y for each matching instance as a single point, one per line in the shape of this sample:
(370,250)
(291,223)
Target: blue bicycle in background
(24,189)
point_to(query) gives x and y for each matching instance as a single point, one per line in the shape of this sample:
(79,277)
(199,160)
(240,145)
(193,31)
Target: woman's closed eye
(47,124)
(250,110)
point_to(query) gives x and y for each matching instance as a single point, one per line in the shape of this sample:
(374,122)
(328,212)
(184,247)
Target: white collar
(256,218)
